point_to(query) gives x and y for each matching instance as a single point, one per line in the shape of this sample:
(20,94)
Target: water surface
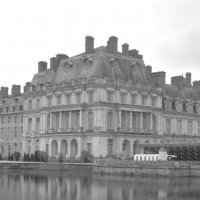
(48,185)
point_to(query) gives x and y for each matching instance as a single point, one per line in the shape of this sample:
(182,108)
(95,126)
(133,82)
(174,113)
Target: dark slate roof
(43,77)
(103,65)
(184,94)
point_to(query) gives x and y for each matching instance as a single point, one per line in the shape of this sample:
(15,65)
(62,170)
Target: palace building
(104,102)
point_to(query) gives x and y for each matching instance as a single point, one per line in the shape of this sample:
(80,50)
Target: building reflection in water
(45,185)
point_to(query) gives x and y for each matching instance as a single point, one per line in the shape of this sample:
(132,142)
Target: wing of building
(103,102)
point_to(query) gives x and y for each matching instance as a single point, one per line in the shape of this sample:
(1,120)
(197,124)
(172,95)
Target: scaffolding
(184,152)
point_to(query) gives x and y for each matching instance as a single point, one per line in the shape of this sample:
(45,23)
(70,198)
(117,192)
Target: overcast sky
(166,33)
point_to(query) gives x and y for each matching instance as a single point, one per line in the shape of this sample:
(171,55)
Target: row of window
(58,99)
(179,127)
(11,120)
(10,109)
(11,132)
(181,106)
(145,99)
(71,120)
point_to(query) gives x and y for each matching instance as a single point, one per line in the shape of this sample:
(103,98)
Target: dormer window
(58,99)
(144,100)
(110,96)
(123,98)
(153,101)
(134,99)
(90,96)
(78,97)
(49,101)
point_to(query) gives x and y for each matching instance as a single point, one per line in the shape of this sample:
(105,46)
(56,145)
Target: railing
(101,162)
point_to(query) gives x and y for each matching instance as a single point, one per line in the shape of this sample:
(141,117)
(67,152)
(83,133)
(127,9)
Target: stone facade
(103,102)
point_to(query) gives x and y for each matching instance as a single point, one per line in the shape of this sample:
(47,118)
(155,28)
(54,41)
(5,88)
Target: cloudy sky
(166,33)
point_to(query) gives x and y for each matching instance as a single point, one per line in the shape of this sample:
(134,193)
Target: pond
(51,185)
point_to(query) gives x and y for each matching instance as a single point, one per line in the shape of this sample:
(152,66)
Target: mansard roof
(101,64)
(44,77)
(185,93)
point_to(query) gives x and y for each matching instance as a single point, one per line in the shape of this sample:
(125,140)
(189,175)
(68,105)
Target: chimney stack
(53,63)
(158,78)
(188,76)
(125,49)
(42,66)
(16,90)
(113,44)
(4,92)
(89,44)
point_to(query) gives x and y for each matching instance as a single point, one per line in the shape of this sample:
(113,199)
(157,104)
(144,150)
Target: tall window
(90,96)
(15,132)
(110,96)
(58,99)
(29,125)
(154,122)
(110,120)
(38,104)
(146,120)
(123,97)
(9,121)
(190,129)
(153,101)
(21,131)
(49,101)
(75,119)
(78,97)
(90,120)
(2,120)
(9,133)
(15,119)
(48,122)
(30,105)
(179,127)
(110,146)
(125,119)
(168,126)
(198,127)
(134,99)
(2,133)
(37,124)
(134,120)
(66,120)
(56,121)
(68,99)
(89,148)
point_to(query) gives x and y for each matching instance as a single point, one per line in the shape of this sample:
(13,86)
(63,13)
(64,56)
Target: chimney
(125,49)
(134,53)
(158,78)
(196,84)
(4,92)
(16,90)
(42,66)
(178,81)
(27,87)
(53,63)
(188,76)
(113,44)
(148,70)
(89,44)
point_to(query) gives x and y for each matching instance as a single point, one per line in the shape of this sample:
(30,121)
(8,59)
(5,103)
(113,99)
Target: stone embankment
(55,166)
(113,167)
(148,168)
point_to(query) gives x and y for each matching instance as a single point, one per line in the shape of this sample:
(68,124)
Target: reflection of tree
(73,188)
